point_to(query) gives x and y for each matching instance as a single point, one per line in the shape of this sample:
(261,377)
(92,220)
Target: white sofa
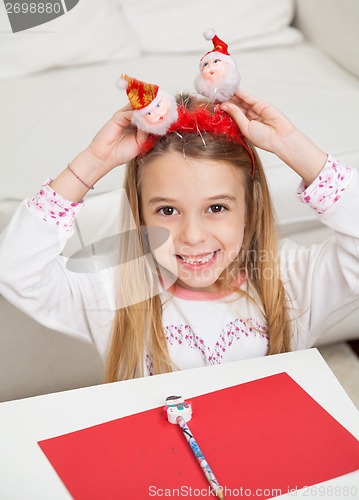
(57,88)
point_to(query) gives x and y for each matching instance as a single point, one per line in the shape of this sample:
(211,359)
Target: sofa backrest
(333,26)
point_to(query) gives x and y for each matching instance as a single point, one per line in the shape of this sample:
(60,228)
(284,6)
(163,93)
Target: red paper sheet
(261,439)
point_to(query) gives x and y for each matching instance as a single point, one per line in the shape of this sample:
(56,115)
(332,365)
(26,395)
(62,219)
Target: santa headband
(148,98)
(189,121)
(202,120)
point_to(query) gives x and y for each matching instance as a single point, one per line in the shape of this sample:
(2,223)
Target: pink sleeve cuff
(53,208)
(328,187)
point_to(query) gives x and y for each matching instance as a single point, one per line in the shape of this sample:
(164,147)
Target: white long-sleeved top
(204,328)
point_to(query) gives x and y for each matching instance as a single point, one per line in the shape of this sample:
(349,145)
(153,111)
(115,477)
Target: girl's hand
(118,141)
(262,124)
(267,128)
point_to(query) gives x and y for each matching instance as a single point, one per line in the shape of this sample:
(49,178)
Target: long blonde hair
(138,323)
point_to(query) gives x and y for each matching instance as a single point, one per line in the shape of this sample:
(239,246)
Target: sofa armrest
(332,25)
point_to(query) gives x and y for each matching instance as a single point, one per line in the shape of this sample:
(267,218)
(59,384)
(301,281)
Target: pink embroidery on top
(149,364)
(235,330)
(53,208)
(328,187)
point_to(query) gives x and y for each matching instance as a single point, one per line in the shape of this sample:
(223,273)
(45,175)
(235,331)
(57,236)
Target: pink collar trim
(185,294)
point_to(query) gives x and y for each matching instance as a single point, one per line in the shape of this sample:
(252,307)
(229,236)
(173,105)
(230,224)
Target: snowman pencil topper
(218,77)
(179,412)
(154,110)
(177,407)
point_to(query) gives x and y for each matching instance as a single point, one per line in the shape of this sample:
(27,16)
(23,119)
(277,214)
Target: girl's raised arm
(269,129)
(115,144)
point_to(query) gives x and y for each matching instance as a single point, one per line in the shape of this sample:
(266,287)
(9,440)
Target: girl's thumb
(237,114)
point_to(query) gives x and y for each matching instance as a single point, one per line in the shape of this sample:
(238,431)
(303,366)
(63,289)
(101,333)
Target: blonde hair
(139,323)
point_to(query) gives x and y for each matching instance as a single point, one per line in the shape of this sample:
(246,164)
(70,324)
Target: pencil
(207,471)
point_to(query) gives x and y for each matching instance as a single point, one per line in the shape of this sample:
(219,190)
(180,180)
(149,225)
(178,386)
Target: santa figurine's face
(158,116)
(158,112)
(217,79)
(213,69)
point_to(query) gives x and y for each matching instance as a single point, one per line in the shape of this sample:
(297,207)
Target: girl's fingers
(127,107)
(242,104)
(237,114)
(251,105)
(246,97)
(258,106)
(250,99)
(247,109)
(122,117)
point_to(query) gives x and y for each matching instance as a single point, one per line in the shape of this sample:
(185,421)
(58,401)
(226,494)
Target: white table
(26,474)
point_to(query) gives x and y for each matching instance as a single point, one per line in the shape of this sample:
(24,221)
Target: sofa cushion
(91,32)
(164,26)
(337,32)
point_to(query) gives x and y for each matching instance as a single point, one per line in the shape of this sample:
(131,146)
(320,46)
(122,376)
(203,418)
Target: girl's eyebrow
(227,197)
(161,199)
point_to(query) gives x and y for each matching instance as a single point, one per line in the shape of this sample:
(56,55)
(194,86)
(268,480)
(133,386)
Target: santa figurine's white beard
(223,88)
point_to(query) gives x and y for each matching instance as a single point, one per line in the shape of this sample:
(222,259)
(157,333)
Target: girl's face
(202,205)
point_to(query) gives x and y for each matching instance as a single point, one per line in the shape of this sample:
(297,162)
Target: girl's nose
(193,231)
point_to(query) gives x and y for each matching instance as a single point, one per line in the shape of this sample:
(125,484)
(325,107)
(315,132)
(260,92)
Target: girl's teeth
(199,261)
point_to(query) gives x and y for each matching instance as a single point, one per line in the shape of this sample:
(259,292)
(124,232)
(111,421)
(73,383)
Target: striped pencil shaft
(211,478)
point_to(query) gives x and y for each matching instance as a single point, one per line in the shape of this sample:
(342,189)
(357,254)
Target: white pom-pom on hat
(209,33)
(122,84)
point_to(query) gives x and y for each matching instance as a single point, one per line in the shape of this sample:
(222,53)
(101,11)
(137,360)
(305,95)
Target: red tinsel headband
(201,119)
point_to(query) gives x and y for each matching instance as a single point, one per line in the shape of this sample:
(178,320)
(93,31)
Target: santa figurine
(154,110)
(218,78)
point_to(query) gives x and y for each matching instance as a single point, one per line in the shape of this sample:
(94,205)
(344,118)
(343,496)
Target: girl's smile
(197,259)
(202,205)
(197,263)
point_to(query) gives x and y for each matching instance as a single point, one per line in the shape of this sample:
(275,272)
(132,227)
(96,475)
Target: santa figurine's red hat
(154,110)
(220,48)
(140,94)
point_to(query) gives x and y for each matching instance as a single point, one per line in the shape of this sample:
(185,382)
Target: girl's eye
(216,61)
(149,113)
(167,211)
(158,105)
(205,64)
(215,209)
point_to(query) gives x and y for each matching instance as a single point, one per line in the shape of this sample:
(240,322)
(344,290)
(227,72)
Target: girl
(225,291)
